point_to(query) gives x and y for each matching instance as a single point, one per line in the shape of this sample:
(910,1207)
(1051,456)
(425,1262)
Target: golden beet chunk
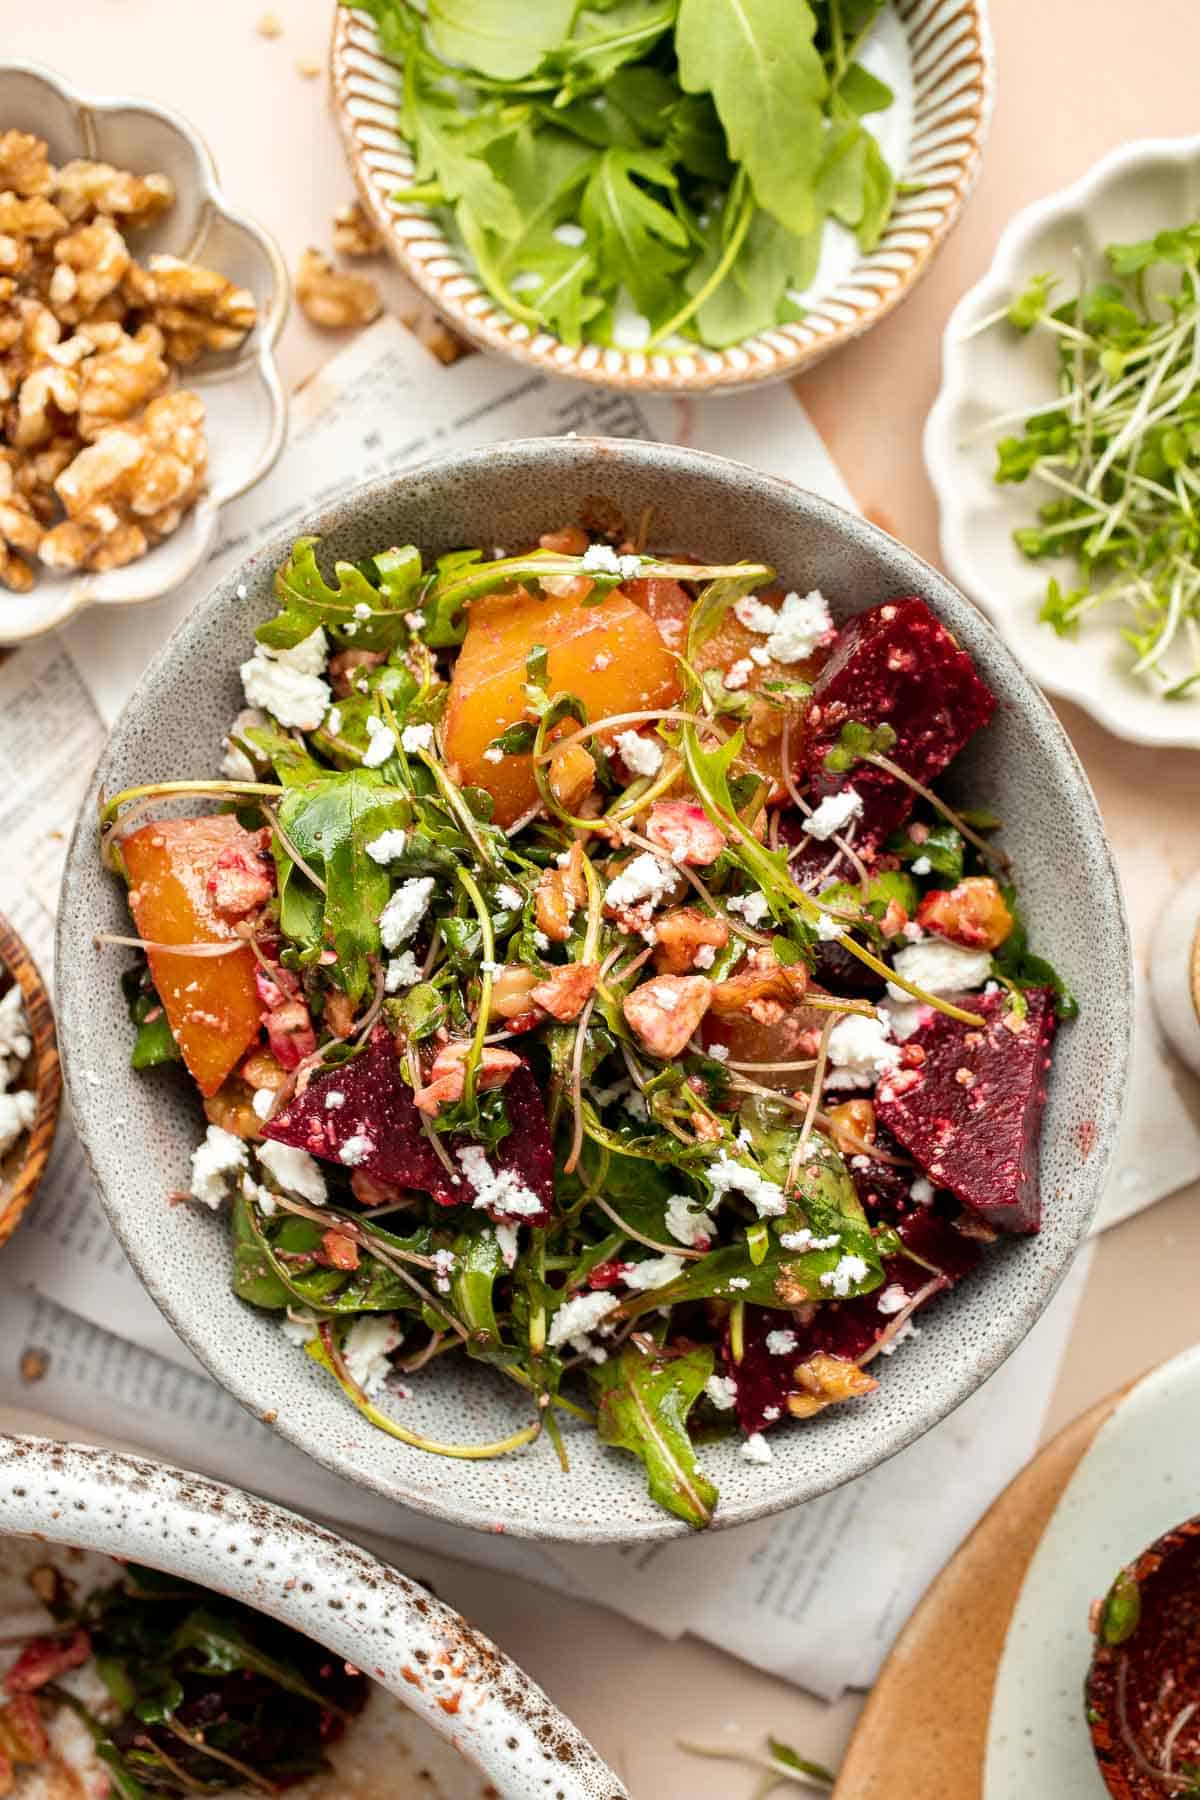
(611,655)
(210,1001)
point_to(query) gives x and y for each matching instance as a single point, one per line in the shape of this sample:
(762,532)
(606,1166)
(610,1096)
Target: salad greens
(203,1695)
(1119,452)
(537,994)
(643,172)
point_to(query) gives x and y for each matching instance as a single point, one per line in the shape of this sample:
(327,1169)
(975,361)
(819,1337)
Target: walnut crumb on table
(269,25)
(333,299)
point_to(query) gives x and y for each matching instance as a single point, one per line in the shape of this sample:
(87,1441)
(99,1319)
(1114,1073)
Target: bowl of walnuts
(138,317)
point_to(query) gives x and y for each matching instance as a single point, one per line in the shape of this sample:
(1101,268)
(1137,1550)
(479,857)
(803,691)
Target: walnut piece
(24,166)
(195,309)
(334,300)
(35,218)
(19,530)
(353,232)
(83,189)
(90,263)
(120,379)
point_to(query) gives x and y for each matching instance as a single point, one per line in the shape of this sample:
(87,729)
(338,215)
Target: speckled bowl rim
(836,318)
(364,1609)
(943,1391)
(77,595)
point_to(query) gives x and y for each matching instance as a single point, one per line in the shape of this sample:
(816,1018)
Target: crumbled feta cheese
(722,1391)
(921,1191)
(635,1104)
(362,611)
(387,846)
(493,754)
(804,1240)
(641,755)
(444,1264)
(705,956)
(405,910)
(756,1449)
(262,1101)
(840,1280)
(754,908)
(569,234)
(294,1170)
(509,897)
(333,1099)
(912,931)
(645,878)
(737,675)
(739,1281)
(308,657)
(828,928)
(381,743)
(834,813)
(541,941)
(687,1220)
(601,559)
(236,765)
(760,654)
(860,1051)
(580,1314)
(718,1052)
(940,967)
(292,696)
(259,1196)
(922,866)
(369,1343)
(17,1113)
(417,737)
(214,1163)
(729,1177)
(655,1272)
(803,621)
(299,1331)
(15,1041)
(356,1149)
(497,1190)
(906,1331)
(403,971)
(755,614)
(333,724)
(506,1237)
(903,1016)
(770,1414)
(415,621)
(781,1343)
(892,1300)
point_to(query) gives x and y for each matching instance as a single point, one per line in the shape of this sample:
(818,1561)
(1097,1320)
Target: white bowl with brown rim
(935,54)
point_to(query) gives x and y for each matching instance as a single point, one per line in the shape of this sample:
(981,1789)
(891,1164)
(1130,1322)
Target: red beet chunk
(895,664)
(377,1104)
(971,1113)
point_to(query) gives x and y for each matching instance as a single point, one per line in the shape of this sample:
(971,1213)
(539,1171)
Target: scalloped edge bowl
(243,395)
(950,78)
(1129,194)
(462,1685)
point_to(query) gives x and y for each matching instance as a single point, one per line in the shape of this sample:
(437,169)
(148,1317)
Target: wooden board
(924,1729)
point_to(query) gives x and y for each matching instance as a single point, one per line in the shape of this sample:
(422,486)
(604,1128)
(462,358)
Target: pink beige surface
(1074,79)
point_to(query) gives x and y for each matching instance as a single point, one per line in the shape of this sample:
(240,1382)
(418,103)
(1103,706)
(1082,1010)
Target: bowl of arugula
(664,195)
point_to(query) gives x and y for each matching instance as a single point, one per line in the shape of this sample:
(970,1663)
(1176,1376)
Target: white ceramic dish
(1140,1478)
(1131,194)
(937,57)
(1175,971)
(242,393)
(420,1651)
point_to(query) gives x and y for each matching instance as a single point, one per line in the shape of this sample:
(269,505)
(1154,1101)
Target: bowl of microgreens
(161,1634)
(572,1008)
(669,194)
(1064,444)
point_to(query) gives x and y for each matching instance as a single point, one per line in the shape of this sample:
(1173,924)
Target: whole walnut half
(83,189)
(334,300)
(24,165)
(195,309)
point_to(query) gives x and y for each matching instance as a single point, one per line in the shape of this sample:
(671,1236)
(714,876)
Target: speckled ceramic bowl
(418,1649)
(936,55)
(1022,767)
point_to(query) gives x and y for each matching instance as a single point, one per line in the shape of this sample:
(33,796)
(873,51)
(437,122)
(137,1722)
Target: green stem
(729,255)
(471,887)
(111,808)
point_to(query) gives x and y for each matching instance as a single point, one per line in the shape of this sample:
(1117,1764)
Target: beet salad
(583,973)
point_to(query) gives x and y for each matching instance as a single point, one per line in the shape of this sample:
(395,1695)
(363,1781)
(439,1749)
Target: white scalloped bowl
(1131,194)
(242,393)
(935,54)
(419,1650)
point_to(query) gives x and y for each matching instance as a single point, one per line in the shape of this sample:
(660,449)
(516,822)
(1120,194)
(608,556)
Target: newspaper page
(817,1594)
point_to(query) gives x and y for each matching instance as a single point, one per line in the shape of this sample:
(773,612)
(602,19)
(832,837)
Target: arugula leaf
(155,1044)
(478,1265)
(942,847)
(269,1270)
(637,239)
(330,822)
(1016,964)
(642,1405)
(496,37)
(449,147)
(355,612)
(605,37)
(863,92)
(759,62)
